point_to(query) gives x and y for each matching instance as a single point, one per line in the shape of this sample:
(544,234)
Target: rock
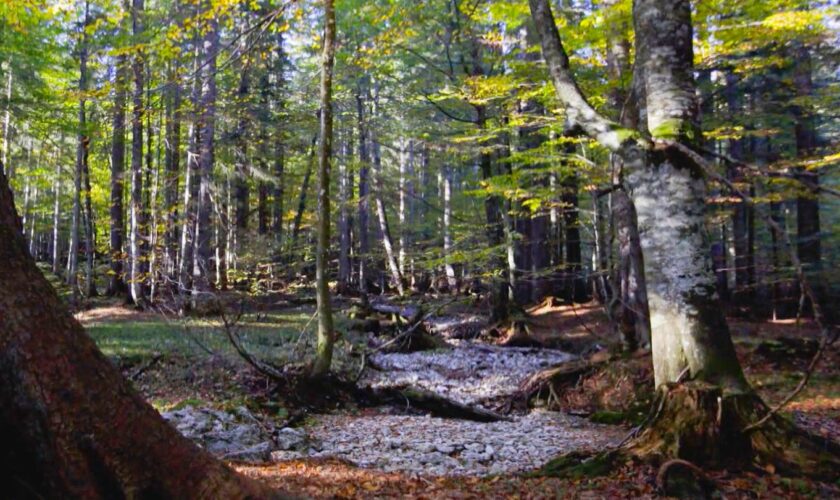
(289,438)
(232,436)
(446,449)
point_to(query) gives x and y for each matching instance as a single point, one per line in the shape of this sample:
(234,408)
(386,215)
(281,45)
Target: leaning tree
(70,425)
(706,408)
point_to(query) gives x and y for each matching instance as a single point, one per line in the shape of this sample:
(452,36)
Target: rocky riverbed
(439,447)
(390,440)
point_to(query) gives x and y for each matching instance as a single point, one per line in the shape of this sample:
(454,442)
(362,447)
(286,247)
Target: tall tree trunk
(689,331)
(364,196)
(172,167)
(71,425)
(279,150)
(56,222)
(116,282)
(808,203)
(500,290)
(382,215)
(574,287)
(81,155)
(90,240)
(742,213)
(7,120)
(187,256)
(446,199)
(345,190)
(242,192)
(326,332)
(304,189)
(207,124)
(137,211)
(629,301)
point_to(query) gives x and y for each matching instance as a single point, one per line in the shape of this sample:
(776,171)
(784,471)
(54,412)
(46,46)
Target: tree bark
(807,204)
(72,427)
(207,125)
(326,332)
(116,281)
(382,215)
(90,240)
(689,331)
(138,222)
(172,162)
(364,196)
(81,156)
(345,183)
(242,192)
(56,222)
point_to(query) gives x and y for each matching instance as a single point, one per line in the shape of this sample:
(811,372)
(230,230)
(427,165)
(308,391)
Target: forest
(419,248)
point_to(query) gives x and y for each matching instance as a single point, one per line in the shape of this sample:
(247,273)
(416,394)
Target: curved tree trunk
(70,425)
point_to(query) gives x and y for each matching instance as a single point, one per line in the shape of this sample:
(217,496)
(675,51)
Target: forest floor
(349,450)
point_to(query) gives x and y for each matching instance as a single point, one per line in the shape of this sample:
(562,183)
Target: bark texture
(70,425)
(326,332)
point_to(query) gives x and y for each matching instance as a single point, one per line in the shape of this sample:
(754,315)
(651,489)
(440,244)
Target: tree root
(697,424)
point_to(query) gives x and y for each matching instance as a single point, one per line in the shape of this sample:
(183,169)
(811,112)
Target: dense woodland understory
(438,248)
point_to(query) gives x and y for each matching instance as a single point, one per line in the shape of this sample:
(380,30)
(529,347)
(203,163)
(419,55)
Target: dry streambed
(470,373)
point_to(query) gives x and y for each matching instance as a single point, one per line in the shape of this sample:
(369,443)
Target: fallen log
(437,405)
(410,313)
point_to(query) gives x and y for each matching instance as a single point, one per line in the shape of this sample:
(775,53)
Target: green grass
(267,336)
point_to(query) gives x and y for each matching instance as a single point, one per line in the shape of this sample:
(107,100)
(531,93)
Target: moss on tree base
(698,423)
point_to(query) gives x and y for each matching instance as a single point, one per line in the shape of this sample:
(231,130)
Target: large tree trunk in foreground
(710,417)
(70,425)
(689,330)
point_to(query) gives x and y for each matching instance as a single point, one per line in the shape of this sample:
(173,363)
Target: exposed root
(697,423)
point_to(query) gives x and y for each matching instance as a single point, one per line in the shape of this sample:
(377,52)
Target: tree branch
(608,133)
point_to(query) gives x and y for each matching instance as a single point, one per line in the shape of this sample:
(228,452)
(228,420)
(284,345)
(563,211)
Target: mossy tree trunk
(326,331)
(707,419)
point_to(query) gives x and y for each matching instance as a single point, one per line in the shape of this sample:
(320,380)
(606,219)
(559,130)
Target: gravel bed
(446,447)
(469,373)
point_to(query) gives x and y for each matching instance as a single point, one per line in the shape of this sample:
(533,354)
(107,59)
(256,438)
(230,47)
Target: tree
(206,157)
(137,240)
(71,425)
(116,283)
(707,419)
(326,331)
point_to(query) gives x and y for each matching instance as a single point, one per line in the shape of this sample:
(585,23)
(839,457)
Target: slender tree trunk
(172,167)
(203,230)
(345,186)
(116,282)
(81,156)
(326,332)
(242,192)
(449,271)
(137,211)
(382,215)
(807,204)
(191,179)
(71,425)
(279,150)
(7,120)
(90,240)
(56,233)
(364,197)
(304,189)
